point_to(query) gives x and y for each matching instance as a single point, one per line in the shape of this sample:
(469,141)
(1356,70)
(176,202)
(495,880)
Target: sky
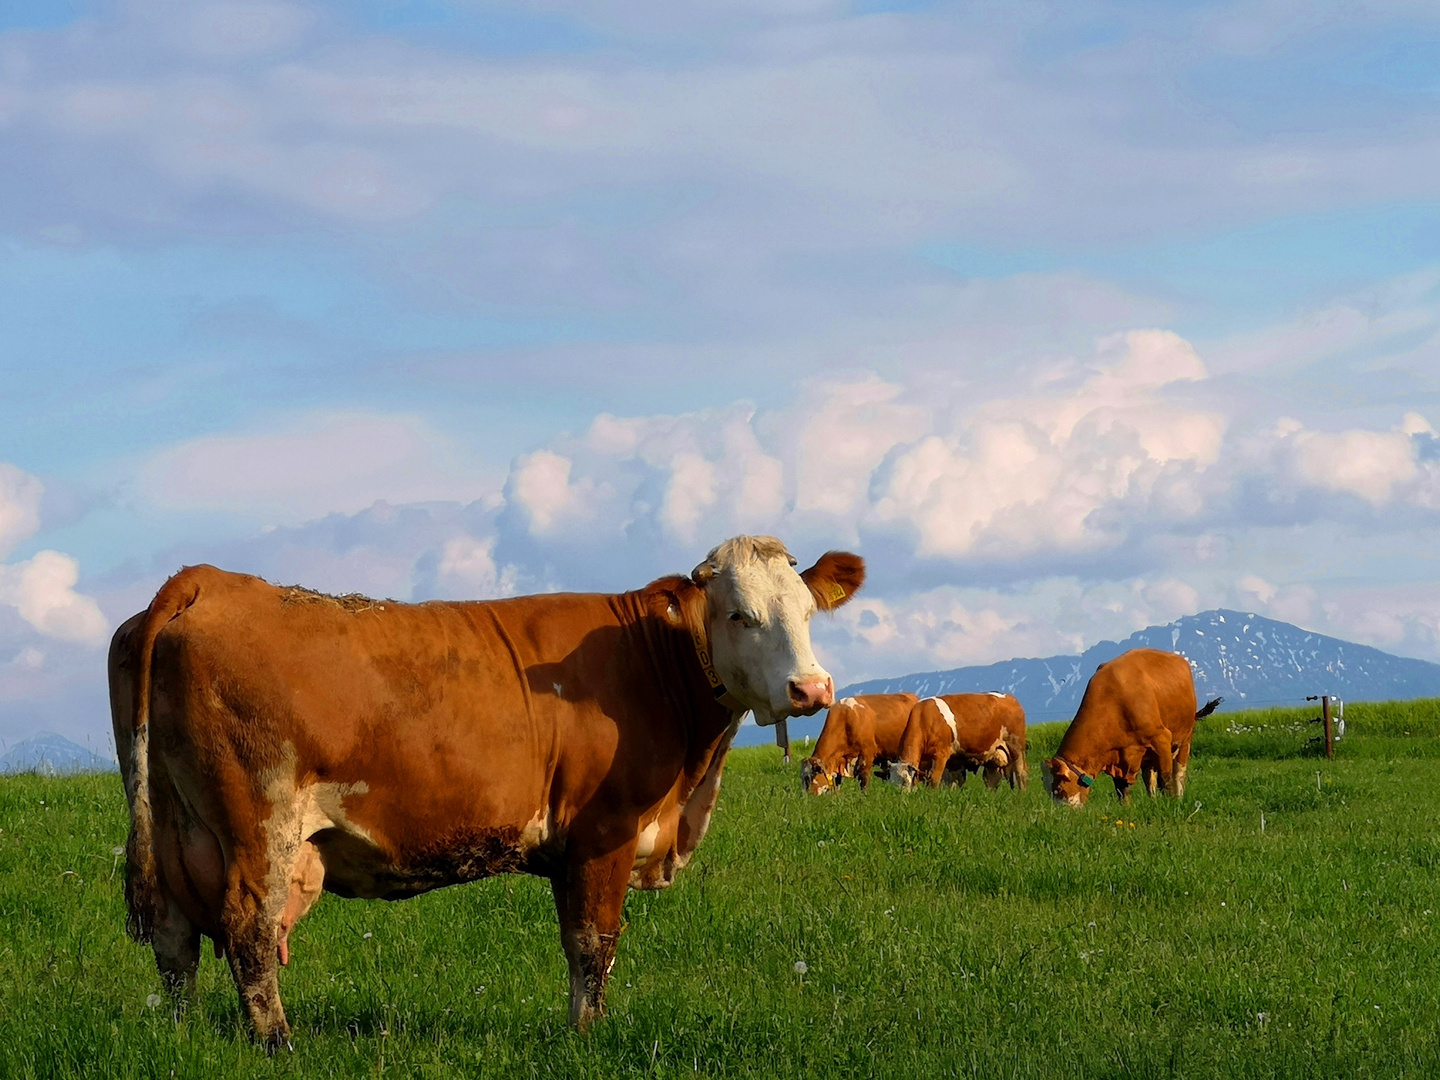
(1072,318)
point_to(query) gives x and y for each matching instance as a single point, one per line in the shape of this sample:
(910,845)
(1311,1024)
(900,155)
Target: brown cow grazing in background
(278,742)
(859,733)
(1137,717)
(947,738)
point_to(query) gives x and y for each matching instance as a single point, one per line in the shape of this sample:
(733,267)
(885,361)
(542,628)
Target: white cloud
(540,482)
(42,590)
(828,129)
(1380,467)
(315,465)
(1395,310)
(846,430)
(468,569)
(1028,474)
(19,506)
(1256,588)
(1369,464)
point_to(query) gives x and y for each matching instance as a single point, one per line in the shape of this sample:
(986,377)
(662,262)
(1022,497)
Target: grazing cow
(947,738)
(1137,718)
(859,733)
(278,742)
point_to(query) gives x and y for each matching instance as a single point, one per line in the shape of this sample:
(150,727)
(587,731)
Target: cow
(1136,719)
(859,733)
(947,738)
(278,743)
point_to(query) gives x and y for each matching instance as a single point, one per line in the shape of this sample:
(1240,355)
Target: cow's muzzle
(811,695)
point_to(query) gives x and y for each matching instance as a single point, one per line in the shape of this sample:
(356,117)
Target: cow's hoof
(279,1040)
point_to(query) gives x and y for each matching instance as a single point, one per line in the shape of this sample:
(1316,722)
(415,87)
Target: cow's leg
(589,899)
(956,772)
(1182,766)
(251,921)
(1164,753)
(1150,774)
(937,770)
(1122,790)
(1017,773)
(867,766)
(176,942)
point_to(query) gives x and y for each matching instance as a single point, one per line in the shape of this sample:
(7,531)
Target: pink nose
(811,695)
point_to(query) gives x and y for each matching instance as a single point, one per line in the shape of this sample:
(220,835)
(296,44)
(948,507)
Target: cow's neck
(679,671)
(1093,763)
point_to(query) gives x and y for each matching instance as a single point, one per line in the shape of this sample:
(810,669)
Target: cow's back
(1128,696)
(926,732)
(891,714)
(845,726)
(979,724)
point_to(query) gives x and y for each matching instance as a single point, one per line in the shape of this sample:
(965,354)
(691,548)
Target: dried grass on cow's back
(971,931)
(352,602)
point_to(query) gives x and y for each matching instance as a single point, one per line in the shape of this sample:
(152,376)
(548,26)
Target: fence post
(1329,730)
(782,736)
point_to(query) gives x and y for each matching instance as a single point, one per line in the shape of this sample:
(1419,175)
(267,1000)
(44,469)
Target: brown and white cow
(859,733)
(947,738)
(1137,718)
(278,742)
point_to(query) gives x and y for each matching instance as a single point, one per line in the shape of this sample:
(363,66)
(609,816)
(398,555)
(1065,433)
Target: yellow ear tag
(835,592)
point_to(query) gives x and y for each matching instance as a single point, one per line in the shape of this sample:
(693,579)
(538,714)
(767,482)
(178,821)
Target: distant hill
(1246,658)
(53,755)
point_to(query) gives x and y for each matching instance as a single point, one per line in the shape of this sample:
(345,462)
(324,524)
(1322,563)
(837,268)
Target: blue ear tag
(1086,781)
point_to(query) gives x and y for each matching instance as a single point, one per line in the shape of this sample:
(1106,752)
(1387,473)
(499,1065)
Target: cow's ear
(834,578)
(681,603)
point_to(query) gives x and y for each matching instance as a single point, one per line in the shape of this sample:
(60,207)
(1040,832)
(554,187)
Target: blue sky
(1070,317)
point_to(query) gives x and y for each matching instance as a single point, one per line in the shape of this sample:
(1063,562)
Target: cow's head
(1066,783)
(815,779)
(903,775)
(758,613)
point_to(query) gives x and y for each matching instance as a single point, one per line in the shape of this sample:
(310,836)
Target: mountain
(1249,660)
(53,755)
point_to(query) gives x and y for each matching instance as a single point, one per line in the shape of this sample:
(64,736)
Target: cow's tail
(142,879)
(1210,706)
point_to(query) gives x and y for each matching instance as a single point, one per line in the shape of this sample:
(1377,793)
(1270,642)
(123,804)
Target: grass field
(941,933)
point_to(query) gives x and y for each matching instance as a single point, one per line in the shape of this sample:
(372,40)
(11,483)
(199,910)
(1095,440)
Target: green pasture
(941,933)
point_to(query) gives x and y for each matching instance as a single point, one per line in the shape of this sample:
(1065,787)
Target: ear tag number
(835,592)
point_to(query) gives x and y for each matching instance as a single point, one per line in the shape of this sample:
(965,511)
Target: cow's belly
(356,866)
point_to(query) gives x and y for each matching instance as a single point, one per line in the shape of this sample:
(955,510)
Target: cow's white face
(759,622)
(903,776)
